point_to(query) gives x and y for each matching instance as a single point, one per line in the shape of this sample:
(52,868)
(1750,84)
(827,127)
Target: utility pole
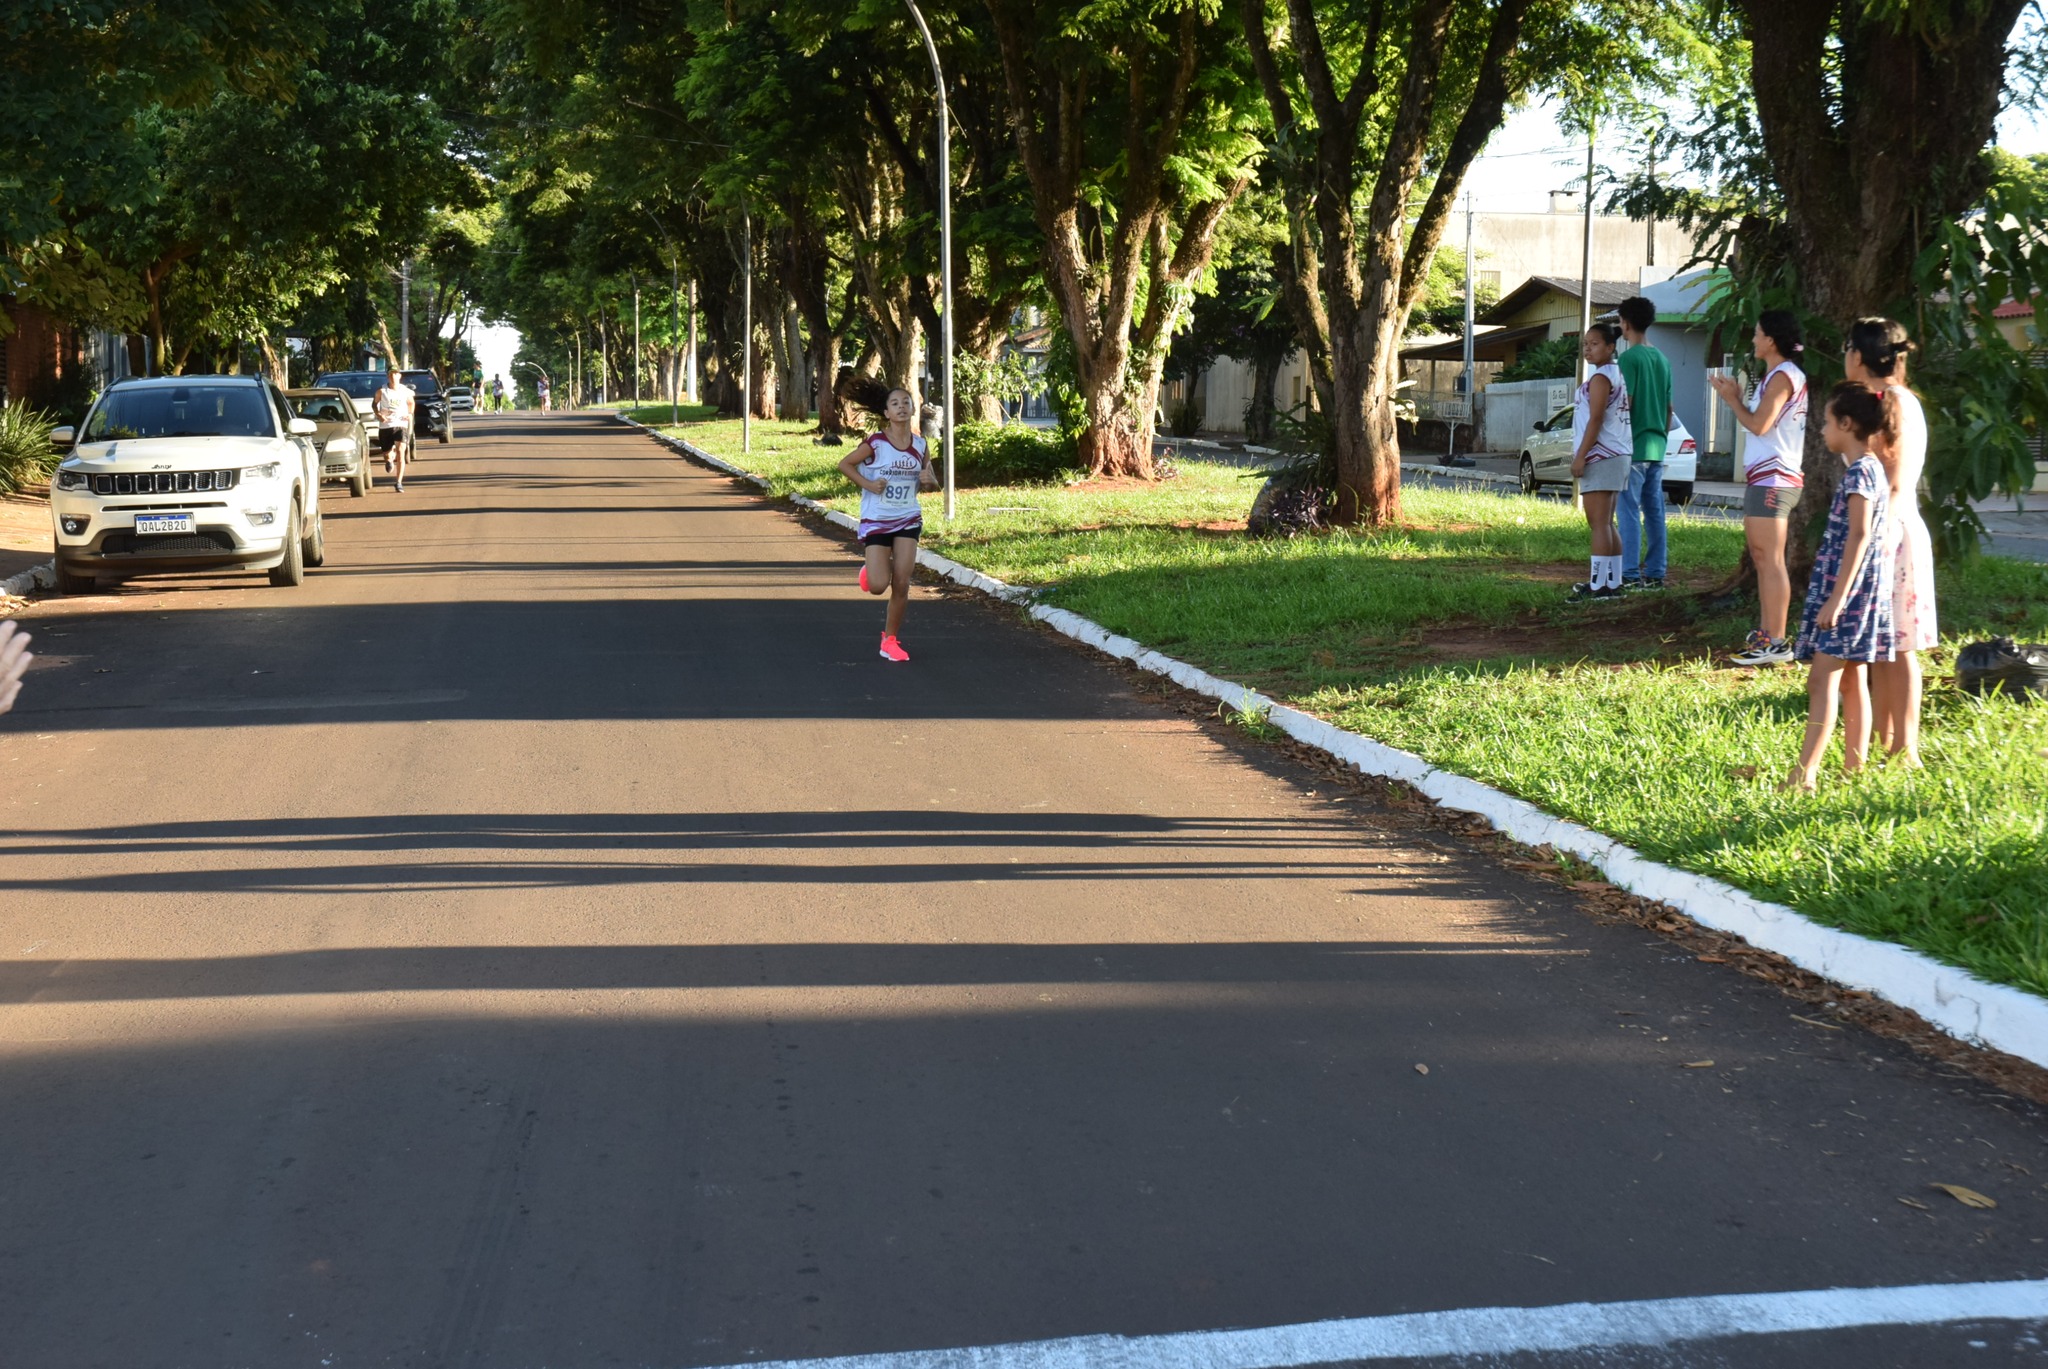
(747,334)
(405,313)
(604,363)
(1471,402)
(931,50)
(1586,262)
(636,339)
(675,334)
(1650,245)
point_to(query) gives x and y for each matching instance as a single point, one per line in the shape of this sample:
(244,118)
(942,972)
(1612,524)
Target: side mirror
(303,427)
(63,438)
(1541,425)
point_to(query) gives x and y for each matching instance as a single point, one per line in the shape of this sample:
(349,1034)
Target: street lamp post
(931,50)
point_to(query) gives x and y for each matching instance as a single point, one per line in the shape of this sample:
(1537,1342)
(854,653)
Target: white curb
(22,584)
(1994,1015)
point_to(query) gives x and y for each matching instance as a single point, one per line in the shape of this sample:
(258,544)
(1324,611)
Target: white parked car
(184,473)
(461,399)
(1547,457)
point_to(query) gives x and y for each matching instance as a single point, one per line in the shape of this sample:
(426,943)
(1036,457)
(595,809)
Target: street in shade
(548,936)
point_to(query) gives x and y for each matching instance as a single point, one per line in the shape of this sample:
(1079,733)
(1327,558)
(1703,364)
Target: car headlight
(341,446)
(68,479)
(267,471)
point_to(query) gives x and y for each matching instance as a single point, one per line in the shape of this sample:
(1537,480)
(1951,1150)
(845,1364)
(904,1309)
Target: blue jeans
(1640,511)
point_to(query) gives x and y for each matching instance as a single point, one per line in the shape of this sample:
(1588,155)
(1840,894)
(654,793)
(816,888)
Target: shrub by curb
(1957,1002)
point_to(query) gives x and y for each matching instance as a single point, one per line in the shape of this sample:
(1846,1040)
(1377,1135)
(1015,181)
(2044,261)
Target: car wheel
(314,552)
(448,433)
(1678,492)
(70,581)
(359,484)
(292,570)
(1528,474)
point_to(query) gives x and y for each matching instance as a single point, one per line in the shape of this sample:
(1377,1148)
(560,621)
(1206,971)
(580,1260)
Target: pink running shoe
(864,580)
(892,650)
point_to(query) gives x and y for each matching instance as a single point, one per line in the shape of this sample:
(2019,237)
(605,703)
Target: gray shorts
(1770,501)
(1608,475)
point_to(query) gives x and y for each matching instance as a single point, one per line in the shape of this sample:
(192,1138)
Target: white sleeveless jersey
(1775,456)
(1615,437)
(895,509)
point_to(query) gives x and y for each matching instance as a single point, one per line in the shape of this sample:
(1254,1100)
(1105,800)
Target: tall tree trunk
(825,368)
(988,349)
(796,389)
(762,401)
(778,358)
(1372,272)
(1910,103)
(280,373)
(1096,260)
(1258,425)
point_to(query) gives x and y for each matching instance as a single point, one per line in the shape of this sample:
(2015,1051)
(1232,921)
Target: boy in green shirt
(1646,380)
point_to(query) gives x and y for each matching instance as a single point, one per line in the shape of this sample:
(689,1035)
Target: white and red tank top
(1616,437)
(895,509)
(1775,455)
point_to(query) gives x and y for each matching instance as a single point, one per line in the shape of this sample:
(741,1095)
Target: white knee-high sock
(1611,568)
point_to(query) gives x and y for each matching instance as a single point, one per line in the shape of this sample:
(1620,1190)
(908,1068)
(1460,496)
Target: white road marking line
(1489,1331)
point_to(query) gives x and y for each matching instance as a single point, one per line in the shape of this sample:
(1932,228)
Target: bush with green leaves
(26,456)
(1551,359)
(1012,454)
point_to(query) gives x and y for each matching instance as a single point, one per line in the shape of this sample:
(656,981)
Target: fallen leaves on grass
(1741,772)
(1968,1197)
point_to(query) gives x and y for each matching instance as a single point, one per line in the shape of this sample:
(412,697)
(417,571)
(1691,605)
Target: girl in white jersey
(1775,417)
(1876,358)
(889,467)
(1602,447)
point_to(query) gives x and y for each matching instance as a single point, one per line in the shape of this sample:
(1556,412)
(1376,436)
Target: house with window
(1537,258)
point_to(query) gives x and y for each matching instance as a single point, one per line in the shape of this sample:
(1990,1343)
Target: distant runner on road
(393,406)
(889,467)
(545,396)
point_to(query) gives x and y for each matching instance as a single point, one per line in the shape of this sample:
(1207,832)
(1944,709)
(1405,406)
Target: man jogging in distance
(1647,377)
(393,406)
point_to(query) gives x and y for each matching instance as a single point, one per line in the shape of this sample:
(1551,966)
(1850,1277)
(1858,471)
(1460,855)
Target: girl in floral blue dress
(1848,618)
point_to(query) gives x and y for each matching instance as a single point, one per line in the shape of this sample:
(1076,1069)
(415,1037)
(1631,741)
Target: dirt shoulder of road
(24,531)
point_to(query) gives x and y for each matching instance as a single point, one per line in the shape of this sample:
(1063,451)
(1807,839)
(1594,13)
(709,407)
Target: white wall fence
(1509,409)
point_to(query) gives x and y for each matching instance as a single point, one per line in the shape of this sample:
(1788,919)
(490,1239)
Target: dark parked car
(430,418)
(430,405)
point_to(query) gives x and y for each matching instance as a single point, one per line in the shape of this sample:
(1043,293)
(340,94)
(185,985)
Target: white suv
(183,473)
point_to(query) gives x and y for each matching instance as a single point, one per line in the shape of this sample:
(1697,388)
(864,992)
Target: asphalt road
(553,937)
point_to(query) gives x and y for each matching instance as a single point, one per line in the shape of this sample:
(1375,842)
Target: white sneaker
(1763,651)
